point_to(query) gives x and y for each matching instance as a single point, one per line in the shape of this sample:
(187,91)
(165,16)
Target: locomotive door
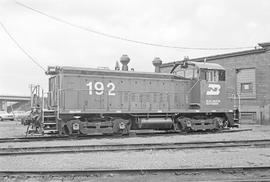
(191,72)
(53,91)
(195,93)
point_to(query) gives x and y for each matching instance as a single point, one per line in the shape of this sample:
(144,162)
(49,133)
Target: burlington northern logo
(213,89)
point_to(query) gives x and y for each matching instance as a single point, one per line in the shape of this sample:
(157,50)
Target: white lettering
(212,102)
(90,88)
(111,86)
(99,88)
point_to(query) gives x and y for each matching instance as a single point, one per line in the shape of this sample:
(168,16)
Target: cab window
(190,72)
(221,75)
(212,75)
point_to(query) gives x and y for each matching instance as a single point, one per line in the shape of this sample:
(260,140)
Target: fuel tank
(155,123)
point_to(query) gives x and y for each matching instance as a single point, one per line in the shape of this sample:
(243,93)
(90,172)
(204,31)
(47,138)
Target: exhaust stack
(124,59)
(157,62)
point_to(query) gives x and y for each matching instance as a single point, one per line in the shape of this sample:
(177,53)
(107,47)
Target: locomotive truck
(191,97)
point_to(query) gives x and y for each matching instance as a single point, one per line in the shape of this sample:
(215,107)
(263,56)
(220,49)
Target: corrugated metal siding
(245,76)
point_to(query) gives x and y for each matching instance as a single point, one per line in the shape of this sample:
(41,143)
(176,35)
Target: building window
(246,88)
(246,82)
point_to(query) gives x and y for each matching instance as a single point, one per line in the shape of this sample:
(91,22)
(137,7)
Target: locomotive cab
(207,84)
(207,92)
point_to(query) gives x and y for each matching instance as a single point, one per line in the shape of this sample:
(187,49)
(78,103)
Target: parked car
(18,115)
(6,116)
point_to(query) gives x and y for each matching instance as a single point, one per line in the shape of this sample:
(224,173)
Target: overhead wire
(123,38)
(21,48)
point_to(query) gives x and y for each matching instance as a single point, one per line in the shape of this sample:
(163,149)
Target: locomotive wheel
(134,124)
(181,125)
(219,123)
(65,130)
(121,126)
(69,128)
(226,124)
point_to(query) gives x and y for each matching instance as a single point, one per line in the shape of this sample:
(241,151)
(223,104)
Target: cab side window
(221,75)
(212,75)
(203,74)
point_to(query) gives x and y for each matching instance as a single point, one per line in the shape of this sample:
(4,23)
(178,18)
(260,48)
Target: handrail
(193,86)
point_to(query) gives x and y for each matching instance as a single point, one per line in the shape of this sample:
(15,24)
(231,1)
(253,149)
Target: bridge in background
(9,100)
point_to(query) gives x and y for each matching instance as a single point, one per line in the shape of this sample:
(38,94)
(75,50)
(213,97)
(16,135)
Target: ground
(12,129)
(187,158)
(15,129)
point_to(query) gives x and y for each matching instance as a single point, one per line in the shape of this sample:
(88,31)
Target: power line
(21,48)
(123,38)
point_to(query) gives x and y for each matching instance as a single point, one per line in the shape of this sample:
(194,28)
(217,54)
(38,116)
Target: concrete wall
(3,105)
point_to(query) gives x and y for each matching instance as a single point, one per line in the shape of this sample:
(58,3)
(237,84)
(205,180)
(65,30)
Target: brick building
(247,75)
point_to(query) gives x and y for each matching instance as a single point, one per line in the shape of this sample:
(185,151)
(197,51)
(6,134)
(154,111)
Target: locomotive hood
(54,70)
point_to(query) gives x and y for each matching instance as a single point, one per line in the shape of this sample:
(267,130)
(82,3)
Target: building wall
(259,104)
(261,63)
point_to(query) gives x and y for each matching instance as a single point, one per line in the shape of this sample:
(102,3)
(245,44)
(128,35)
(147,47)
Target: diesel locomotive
(190,97)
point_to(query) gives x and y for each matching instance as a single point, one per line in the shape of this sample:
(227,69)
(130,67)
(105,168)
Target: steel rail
(85,137)
(132,147)
(236,169)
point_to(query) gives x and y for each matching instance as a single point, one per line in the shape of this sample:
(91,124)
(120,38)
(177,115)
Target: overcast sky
(188,23)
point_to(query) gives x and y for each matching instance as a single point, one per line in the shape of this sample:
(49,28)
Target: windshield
(190,72)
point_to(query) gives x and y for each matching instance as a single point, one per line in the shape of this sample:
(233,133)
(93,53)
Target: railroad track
(131,147)
(240,173)
(134,134)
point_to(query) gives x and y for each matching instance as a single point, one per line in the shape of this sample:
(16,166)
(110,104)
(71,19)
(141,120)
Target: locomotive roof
(210,66)
(105,72)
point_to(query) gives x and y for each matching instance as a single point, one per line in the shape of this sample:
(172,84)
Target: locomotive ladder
(49,122)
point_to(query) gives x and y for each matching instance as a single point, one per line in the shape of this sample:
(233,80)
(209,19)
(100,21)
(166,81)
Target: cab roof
(203,65)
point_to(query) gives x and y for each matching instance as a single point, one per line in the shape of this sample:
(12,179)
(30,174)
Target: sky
(182,23)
